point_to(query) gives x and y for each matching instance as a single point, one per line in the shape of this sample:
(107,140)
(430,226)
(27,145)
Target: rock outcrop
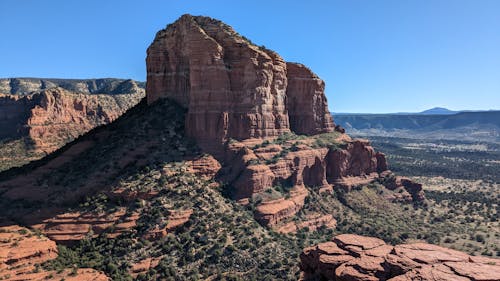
(231,87)
(43,117)
(274,173)
(264,119)
(306,102)
(22,252)
(60,116)
(68,228)
(353,257)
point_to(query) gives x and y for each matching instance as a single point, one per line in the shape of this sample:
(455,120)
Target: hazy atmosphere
(375,56)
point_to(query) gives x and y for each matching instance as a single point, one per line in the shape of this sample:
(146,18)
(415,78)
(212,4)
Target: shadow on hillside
(146,137)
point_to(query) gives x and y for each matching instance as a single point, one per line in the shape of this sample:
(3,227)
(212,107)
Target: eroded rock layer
(232,88)
(59,115)
(22,252)
(306,102)
(355,258)
(38,117)
(275,174)
(264,119)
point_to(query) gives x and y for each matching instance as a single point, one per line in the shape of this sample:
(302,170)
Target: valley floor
(462,184)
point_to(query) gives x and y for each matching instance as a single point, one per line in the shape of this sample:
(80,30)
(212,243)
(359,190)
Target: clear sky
(374,55)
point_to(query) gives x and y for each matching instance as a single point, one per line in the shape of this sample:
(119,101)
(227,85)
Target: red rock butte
(231,87)
(250,109)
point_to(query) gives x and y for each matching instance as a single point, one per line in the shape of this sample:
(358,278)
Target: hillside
(472,126)
(153,203)
(38,116)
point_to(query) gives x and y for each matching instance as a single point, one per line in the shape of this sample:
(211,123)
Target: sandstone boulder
(22,252)
(354,257)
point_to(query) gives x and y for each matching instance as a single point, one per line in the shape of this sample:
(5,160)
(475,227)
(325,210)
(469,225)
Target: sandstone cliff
(38,117)
(254,112)
(151,202)
(22,252)
(232,88)
(355,258)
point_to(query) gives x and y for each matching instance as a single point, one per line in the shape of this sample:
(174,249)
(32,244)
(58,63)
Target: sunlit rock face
(232,88)
(355,258)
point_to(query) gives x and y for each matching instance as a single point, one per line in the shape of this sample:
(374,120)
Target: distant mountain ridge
(431,111)
(109,86)
(474,125)
(438,110)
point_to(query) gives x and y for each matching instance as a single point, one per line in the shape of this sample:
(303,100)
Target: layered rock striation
(231,87)
(278,175)
(353,257)
(39,116)
(59,116)
(264,119)
(22,252)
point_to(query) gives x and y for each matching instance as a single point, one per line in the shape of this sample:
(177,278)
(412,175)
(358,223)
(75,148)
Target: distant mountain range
(432,111)
(438,110)
(436,123)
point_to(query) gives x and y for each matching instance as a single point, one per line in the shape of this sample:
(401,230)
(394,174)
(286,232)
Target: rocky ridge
(109,86)
(38,117)
(350,257)
(22,252)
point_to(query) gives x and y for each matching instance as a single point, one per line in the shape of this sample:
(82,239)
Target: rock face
(59,115)
(353,257)
(247,98)
(306,102)
(44,117)
(22,252)
(232,88)
(275,174)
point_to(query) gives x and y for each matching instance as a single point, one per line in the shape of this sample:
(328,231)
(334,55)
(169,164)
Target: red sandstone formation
(254,167)
(205,166)
(22,252)
(306,101)
(175,219)
(68,228)
(60,116)
(350,257)
(143,266)
(232,88)
(37,117)
(313,223)
(241,94)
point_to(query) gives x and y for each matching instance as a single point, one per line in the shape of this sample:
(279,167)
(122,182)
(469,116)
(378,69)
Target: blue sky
(374,55)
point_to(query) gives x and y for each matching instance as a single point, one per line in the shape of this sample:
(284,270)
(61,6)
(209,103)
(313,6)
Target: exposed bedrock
(355,258)
(231,87)
(265,120)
